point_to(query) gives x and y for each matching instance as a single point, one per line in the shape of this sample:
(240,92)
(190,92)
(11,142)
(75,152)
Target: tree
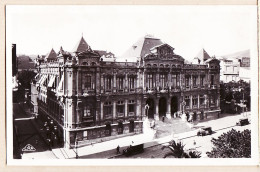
(24,78)
(233,144)
(177,151)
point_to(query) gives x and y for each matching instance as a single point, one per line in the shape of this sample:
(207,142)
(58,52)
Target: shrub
(233,144)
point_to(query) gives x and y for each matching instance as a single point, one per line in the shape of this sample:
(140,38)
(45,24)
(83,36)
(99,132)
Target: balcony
(109,116)
(120,90)
(163,90)
(150,90)
(195,106)
(131,114)
(88,92)
(213,86)
(120,114)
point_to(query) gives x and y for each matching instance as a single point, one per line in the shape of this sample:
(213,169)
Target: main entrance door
(162,106)
(150,108)
(174,105)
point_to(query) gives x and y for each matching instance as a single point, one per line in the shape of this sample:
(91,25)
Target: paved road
(26,133)
(202,144)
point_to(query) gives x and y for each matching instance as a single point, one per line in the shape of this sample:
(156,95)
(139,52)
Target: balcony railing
(110,116)
(131,114)
(120,114)
(213,86)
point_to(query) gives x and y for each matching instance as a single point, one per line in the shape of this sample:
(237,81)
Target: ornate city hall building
(92,96)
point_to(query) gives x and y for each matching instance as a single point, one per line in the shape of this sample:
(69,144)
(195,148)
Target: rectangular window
(212,100)
(163,80)
(195,100)
(120,108)
(202,100)
(202,80)
(212,80)
(120,83)
(109,83)
(88,82)
(178,80)
(131,82)
(187,101)
(150,80)
(107,110)
(187,81)
(194,81)
(87,111)
(174,80)
(131,107)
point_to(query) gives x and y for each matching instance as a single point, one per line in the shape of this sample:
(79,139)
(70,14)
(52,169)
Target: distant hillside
(25,62)
(240,54)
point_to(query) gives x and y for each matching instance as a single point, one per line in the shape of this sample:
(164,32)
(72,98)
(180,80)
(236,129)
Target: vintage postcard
(131,85)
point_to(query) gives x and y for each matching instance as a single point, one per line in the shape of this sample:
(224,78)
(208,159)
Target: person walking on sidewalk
(118,149)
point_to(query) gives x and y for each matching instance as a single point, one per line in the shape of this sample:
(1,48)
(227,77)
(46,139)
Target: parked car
(132,150)
(243,121)
(204,131)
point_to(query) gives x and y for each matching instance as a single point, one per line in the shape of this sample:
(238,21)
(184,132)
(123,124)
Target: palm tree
(177,151)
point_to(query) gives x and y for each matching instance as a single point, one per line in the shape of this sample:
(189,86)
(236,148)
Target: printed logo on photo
(29,147)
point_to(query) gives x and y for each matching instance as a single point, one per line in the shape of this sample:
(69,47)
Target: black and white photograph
(131,85)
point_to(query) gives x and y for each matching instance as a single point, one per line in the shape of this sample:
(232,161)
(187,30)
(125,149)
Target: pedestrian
(163,119)
(118,149)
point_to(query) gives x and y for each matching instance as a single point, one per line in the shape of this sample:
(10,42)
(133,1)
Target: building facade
(91,95)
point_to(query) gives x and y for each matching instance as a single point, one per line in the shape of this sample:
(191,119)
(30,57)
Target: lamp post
(76,147)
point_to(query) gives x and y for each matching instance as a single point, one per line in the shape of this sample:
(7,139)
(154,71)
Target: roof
(51,55)
(203,55)
(140,48)
(104,53)
(81,46)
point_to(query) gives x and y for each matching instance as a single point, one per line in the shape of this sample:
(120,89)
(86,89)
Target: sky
(220,30)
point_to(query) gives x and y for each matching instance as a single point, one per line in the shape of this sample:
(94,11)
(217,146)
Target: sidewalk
(108,149)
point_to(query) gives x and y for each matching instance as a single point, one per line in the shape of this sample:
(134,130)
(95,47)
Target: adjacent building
(235,67)
(90,95)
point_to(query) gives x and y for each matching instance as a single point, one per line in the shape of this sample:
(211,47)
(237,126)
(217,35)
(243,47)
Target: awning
(61,83)
(37,77)
(50,84)
(43,79)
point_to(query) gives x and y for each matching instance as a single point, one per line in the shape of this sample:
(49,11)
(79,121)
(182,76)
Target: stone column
(191,102)
(66,137)
(114,83)
(126,112)
(126,82)
(157,80)
(78,113)
(191,82)
(169,81)
(198,101)
(97,81)
(114,109)
(101,111)
(102,84)
(144,79)
(79,84)
(168,113)
(138,108)
(156,115)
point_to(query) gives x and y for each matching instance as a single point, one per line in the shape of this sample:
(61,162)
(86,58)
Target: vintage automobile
(242,122)
(132,150)
(204,131)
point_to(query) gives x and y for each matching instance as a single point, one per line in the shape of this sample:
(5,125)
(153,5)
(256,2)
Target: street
(26,133)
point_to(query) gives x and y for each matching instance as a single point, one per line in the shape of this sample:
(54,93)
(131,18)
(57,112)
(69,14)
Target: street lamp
(76,144)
